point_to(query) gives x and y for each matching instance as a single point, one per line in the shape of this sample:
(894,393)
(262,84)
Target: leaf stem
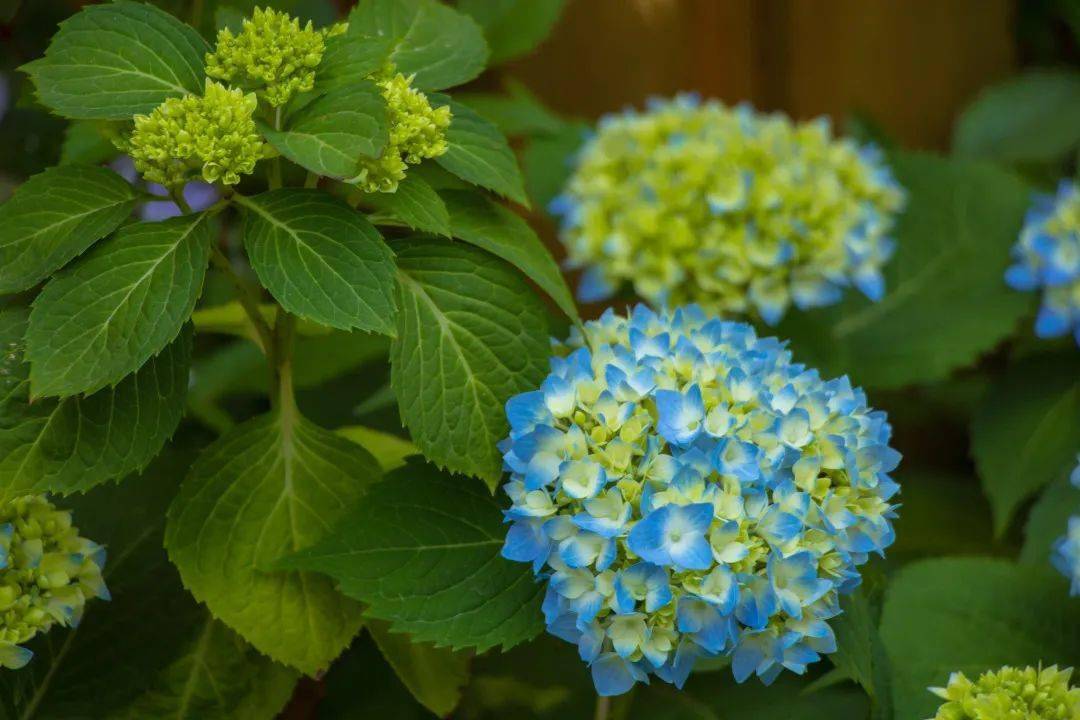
(283,398)
(248,295)
(177,195)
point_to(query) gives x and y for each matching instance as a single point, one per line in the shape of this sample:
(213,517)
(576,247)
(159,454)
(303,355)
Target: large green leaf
(860,653)
(269,487)
(350,59)
(422,551)
(972,615)
(432,41)
(515,112)
(414,204)
(513,27)
(942,514)
(435,676)
(479,153)
(330,135)
(102,318)
(1049,520)
(115,60)
(361,684)
(1033,117)
(87,142)
(470,335)
(490,226)
(54,217)
(138,644)
(321,259)
(1027,431)
(953,246)
(63,446)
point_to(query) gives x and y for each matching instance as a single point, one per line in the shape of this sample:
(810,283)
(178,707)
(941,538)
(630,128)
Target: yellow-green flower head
(47,573)
(272,55)
(742,212)
(212,136)
(1010,694)
(417,132)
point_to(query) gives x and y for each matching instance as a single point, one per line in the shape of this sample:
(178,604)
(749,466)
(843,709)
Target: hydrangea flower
(417,132)
(47,573)
(1066,549)
(686,490)
(212,136)
(1010,694)
(272,55)
(1047,257)
(742,212)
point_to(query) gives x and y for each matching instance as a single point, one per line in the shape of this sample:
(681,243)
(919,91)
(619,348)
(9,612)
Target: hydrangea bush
(687,490)
(742,212)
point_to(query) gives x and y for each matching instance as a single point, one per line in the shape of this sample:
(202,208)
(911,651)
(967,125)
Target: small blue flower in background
(198,194)
(745,213)
(1066,549)
(686,490)
(1047,258)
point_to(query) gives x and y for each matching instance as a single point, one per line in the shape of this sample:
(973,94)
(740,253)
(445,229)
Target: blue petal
(612,675)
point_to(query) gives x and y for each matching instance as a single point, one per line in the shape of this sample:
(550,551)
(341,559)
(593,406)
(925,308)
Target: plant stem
(312,180)
(177,195)
(248,295)
(603,707)
(281,359)
(273,171)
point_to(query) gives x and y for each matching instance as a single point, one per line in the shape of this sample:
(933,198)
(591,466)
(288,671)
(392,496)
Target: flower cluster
(213,136)
(742,212)
(1047,256)
(417,132)
(1066,550)
(47,572)
(1010,694)
(272,55)
(687,490)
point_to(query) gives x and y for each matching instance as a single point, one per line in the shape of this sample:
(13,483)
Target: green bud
(1010,694)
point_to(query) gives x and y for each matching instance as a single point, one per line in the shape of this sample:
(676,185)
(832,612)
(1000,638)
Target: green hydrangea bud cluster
(417,132)
(47,572)
(213,136)
(1010,694)
(272,55)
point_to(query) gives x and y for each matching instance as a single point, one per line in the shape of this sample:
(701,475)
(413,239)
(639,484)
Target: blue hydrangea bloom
(1066,550)
(686,490)
(745,213)
(1047,258)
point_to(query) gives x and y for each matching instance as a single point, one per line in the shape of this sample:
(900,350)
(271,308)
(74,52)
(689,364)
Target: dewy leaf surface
(268,488)
(439,45)
(115,60)
(1026,431)
(501,232)
(73,444)
(54,217)
(972,615)
(321,259)
(946,299)
(479,153)
(470,335)
(422,552)
(330,135)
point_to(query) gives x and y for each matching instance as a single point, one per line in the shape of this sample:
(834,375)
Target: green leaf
(479,154)
(361,684)
(414,204)
(860,654)
(972,615)
(1030,118)
(1049,520)
(55,216)
(432,41)
(435,676)
(941,514)
(135,645)
(330,135)
(422,551)
(71,445)
(101,319)
(217,676)
(518,112)
(1026,431)
(269,487)
(320,259)
(112,61)
(86,141)
(953,245)
(548,162)
(513,27)
(494,228)
(351,59)
(389,450)
(470,335)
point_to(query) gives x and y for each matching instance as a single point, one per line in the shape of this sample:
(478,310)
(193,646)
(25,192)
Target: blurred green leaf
(435,676)
(513,27)
(363,685)
(389,450)
(860,654)
(549,161)
(87,141)
(517,112)
(1049,520)
(941,513)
